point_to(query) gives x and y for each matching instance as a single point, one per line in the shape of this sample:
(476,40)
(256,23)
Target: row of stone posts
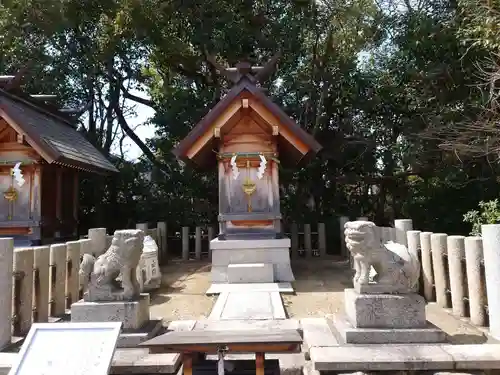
(39,281)
(442,258)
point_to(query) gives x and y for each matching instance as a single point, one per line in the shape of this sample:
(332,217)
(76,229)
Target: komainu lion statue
(99,276)
(395,266)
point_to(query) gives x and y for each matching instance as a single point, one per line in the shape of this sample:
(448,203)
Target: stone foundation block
(385,310)
(250,273)
(133,314)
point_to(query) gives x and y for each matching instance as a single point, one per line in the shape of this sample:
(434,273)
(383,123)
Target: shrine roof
(52,134)
(208,120)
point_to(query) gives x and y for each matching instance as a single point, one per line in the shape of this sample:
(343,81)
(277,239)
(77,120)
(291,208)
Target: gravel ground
(319,290)
(182,294)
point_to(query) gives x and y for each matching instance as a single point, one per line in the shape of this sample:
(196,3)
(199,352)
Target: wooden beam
(231,111)
(44,96)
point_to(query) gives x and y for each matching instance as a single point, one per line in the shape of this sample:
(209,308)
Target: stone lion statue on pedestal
(99,276)
(397,269)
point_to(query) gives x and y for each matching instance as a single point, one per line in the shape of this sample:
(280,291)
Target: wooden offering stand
(192,344)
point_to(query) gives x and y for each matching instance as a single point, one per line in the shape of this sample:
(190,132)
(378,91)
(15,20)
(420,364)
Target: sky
(143,131)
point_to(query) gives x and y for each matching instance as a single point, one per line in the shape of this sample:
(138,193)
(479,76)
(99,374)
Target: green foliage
(489,213)
(366,80)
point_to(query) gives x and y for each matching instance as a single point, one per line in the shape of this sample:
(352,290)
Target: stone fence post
(477,299)
(6,269)
(98,238)
(402,226)
(491,255)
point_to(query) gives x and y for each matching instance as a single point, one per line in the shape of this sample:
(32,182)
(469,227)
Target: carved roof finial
(245,69)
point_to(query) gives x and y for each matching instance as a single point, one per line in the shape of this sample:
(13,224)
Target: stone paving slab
(317,333)
(248,306)
(234,325)
(216,288)
(406,357)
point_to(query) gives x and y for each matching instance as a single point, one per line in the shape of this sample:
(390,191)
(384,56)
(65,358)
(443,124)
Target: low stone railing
(40,283)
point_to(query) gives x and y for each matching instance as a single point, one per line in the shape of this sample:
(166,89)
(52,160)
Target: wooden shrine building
(52,153)
(247,136)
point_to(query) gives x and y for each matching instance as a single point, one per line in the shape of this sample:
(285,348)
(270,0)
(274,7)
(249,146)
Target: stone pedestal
(137,325)
(385,319)
(261,253)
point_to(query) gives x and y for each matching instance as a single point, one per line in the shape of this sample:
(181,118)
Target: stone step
(218,288)
(406,357)
(347,334)
(250,273)
(248,306)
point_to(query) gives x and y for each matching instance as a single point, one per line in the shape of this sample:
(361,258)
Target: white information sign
(68,349)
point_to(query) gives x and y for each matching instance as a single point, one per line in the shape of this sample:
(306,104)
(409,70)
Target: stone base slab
(275,252)
(385,310)
(374,288)
(133,314)
(347,334)
(248,306)
(130,338)
(250,273)
(218,288)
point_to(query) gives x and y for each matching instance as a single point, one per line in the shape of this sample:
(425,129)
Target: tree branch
(147,152)
(136,98)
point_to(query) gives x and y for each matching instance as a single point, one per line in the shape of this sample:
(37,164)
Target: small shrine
(248,137)
(41,157)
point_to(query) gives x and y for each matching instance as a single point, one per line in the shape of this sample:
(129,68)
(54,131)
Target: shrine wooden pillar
(76,196)
(59,191)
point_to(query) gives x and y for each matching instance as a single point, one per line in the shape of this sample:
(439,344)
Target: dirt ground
(319,288)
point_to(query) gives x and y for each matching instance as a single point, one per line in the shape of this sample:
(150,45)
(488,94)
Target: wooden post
(322,239)
(59,188)
(294,229)
(185,243)
(162,244)
(259,363)
(307,240)
(76,201)
(187,363)
(197,244)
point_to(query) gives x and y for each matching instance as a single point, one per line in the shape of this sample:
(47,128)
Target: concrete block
(133,314)
(385,310)
(250,273)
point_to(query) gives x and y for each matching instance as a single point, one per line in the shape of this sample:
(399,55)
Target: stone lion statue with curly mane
(99,276)
(397,269)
